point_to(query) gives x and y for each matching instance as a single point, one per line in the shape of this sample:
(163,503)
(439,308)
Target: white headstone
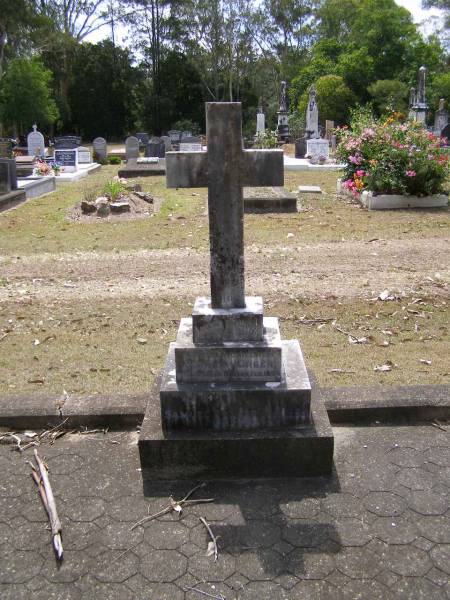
(84,155)
(312,114)
(260,122)
(167,142)
(190,147)
(100,148)
(131,147)
(317,148)
(35,143)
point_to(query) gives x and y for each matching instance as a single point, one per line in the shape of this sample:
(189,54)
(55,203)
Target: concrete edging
(386,404)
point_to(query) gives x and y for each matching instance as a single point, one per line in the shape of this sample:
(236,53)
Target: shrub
(334,99)
(266,139)
(187,125)
(390,157)
(114,160)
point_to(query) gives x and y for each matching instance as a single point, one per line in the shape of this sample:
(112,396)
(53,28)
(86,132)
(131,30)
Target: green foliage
(25,95)
(390,157)
(113,188)
(187,125)
(266,139)
(114,160)
(389,94)
(334,99)
(297,123)
(440,88)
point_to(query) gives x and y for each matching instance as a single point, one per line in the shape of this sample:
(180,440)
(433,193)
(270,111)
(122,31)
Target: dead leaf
(36,380)
(340,371)
(354,340)
(424,361)
(385,295)
(142,340)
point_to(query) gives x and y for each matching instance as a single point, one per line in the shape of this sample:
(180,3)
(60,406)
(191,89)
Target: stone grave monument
(417,100)
(67,142)
(234,399)
(312,115)
(167,142)
(100,148)
(131,147)
(84,155)
(260,119)
(440,118)
(190,144)
(5,148)
(283,124)
(155,147)
(143,138)
(10,195)
(35,143)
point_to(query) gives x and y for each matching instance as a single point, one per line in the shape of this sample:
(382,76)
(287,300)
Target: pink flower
(360,173)
(355,160)
(410,173)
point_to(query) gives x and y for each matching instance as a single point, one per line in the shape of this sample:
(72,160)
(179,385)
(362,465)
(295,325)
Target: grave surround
(234,399)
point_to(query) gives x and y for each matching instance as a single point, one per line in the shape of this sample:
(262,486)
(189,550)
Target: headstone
(131,147)
(143,139)
(67,158)
(100,148)
(283,124)
(300,147)
(175,136)
(260,118)
(190,144)
(333,143)
(440,118)
(35,143)
(318,148)
(167,142)
(84,155)
(418,99)
(185,134)
(8,176)
(235,400)
(155,147)
(68,142)
(312,115)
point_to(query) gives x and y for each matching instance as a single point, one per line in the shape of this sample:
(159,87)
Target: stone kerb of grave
(234,399)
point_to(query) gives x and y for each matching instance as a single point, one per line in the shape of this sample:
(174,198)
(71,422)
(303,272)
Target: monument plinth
(234,399)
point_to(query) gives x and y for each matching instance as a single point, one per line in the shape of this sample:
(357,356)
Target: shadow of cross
(271,527)
(225,168)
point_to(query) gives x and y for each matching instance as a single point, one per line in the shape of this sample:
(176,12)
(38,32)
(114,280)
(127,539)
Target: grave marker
(131,147)
(100,148)
(35,143)
(84,155)
(67,158)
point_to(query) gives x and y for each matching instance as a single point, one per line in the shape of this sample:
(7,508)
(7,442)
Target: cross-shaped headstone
(225,168)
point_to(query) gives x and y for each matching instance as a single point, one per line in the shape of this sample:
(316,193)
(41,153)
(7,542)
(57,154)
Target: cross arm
(261,168)
(186,169)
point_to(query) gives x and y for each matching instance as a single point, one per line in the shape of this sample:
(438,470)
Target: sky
(414,6)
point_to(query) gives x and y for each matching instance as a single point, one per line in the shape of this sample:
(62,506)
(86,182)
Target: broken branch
(212,546)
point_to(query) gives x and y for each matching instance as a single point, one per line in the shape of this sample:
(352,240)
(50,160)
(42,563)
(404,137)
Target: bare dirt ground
(314,271)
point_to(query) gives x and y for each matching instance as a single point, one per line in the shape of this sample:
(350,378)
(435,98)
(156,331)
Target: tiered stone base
(234,401)
(12,199)
(269,200)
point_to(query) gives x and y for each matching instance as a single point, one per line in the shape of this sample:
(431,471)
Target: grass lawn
(99,345)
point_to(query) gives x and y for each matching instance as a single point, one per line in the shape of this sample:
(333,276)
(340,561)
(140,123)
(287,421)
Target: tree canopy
(181,53)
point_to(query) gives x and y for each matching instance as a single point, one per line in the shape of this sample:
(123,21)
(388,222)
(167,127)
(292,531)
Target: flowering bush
(43,169)
(391,157)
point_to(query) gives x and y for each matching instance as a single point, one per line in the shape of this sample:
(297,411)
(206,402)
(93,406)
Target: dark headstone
(8,175)
(300,147)
(156,147)
(143,138)
(446,133)
(175,136)
(68,142)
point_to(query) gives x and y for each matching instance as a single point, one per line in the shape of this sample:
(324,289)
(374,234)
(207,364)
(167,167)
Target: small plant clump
(114,188)
(113,160)
(391,156)
(266,139)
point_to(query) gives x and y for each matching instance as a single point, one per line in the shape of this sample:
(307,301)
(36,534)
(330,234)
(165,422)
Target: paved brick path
(379,529)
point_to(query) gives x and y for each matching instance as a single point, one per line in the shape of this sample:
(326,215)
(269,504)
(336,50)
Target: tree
(103,93)
(389,94)
(443,5)
(25,96)
(334,99)
(440,88)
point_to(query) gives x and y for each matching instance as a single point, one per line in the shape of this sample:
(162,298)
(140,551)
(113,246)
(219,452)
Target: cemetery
(224,301)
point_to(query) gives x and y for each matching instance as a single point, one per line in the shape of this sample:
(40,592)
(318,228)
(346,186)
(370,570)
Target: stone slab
(229,361)
(134,169)
(303,164)
(12,199)
(213,325)
(35,188)
(239,405)
(82,172)
(309,189)
(269,200)
(395,201)
(293,452)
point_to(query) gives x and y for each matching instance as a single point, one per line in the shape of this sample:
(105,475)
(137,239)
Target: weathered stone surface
(135,169)
(239,406)
(213,325)
(268,200)
(88,208)
(231,361)
(120,207)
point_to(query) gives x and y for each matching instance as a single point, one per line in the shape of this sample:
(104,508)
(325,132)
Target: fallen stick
(48,500)
(193,589)
(175,505)
(213,540)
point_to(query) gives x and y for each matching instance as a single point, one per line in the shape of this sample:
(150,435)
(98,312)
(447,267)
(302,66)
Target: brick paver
(378,529)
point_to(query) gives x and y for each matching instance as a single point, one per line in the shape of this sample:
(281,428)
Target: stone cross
(225,168)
